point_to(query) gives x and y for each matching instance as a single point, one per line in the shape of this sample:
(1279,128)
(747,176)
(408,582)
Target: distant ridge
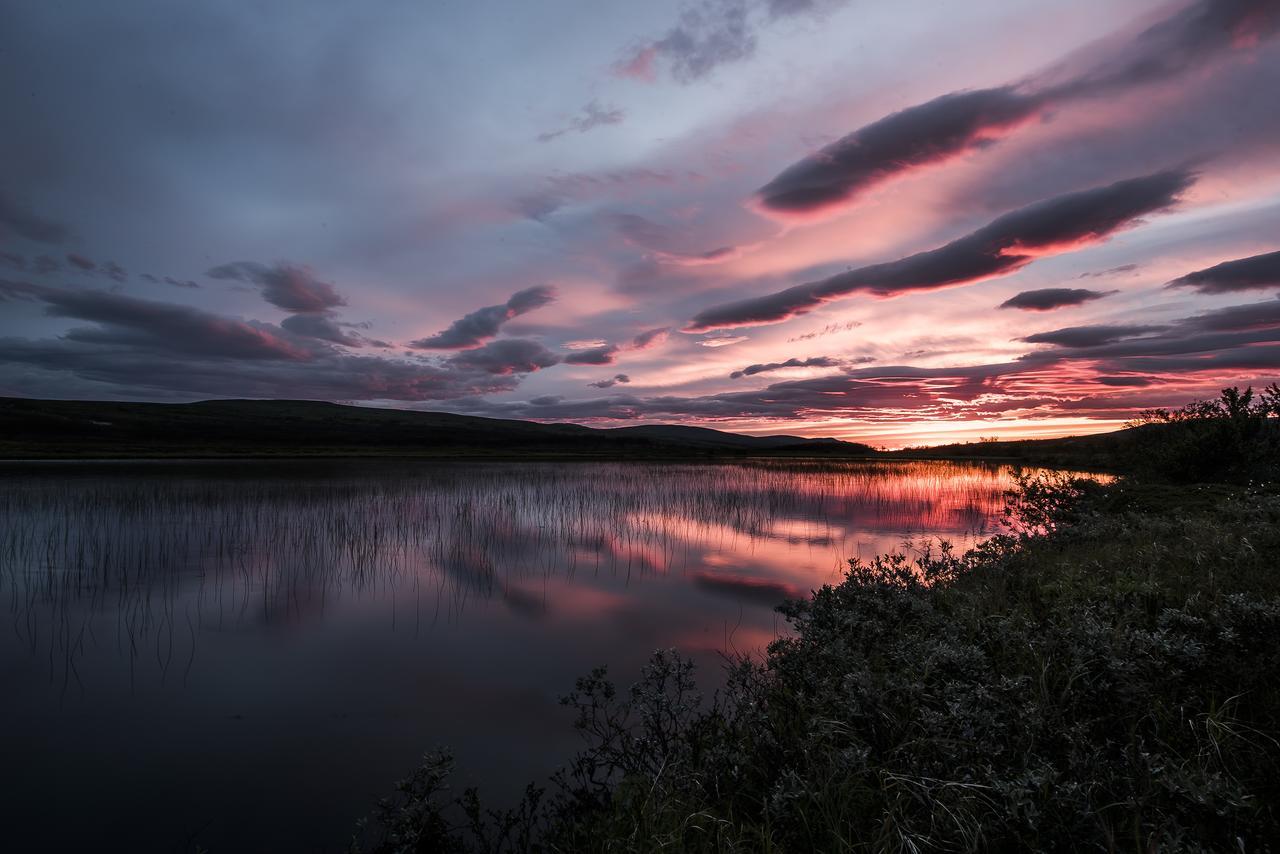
(71,429)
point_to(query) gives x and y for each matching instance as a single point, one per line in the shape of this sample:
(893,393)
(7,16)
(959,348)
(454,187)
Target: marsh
(245,655)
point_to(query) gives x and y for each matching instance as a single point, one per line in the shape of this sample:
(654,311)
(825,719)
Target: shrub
(1104,677)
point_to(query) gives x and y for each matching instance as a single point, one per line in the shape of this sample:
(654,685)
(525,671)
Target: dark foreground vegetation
(1105,676)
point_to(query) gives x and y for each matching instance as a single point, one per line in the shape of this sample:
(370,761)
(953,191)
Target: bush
(1105,677)
(1234,438)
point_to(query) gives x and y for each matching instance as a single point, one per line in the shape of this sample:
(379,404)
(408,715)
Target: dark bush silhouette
(1235,438)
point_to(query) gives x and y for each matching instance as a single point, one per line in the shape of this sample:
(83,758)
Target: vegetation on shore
(1104,676)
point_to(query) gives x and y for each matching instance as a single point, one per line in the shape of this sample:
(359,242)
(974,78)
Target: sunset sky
(897,221)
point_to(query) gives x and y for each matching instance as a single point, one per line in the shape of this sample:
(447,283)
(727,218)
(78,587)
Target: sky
(902,222)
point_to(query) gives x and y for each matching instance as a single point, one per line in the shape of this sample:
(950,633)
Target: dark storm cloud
(483,324)
(611,381)
(1089,336)
(1047,299)
(1005,245)
(18,220)
(157,326)
(506,356)
(288,286)
(959,122)
(814,362)
(594,115)
(1252,273)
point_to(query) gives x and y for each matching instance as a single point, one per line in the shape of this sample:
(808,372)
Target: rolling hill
(32,428)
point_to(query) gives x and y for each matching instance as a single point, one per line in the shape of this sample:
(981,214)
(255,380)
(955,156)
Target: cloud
(611,381)
(593,356)
(506,356)
(961,122)
(1047,299)
(16,219)
(650,338)
(80,262)
(1178,43)
(1230,344)
(321,327)
(157,326)
(710,33)
(917,136)
(169,280)
(329,376)
(829,329)
(1089,336)
(1005,245)
(603,353)
(662,242)
(1252,273)
(593,115)
(722,340)
(484,323)
(144,344)
(814,362)
(288,286)
(1114,271)
(1130,382)
(114,271)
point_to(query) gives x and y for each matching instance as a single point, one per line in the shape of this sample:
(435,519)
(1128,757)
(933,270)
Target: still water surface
(244,656)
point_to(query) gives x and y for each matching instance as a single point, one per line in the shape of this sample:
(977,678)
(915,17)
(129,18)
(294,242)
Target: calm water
(244,656)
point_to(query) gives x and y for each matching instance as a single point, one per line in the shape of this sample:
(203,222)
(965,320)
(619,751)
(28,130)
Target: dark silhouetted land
(66,429)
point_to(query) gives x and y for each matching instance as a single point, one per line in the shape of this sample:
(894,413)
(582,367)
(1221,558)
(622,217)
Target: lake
(244,656)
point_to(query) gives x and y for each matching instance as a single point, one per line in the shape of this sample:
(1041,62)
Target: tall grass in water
(1104,677)
(172,551)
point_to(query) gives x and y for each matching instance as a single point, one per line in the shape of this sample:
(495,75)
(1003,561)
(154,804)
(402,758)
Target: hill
(31,429)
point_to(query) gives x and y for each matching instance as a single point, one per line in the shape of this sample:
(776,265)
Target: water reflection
(286,638)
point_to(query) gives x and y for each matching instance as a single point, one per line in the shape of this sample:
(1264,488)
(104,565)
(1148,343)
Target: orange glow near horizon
(908,434)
